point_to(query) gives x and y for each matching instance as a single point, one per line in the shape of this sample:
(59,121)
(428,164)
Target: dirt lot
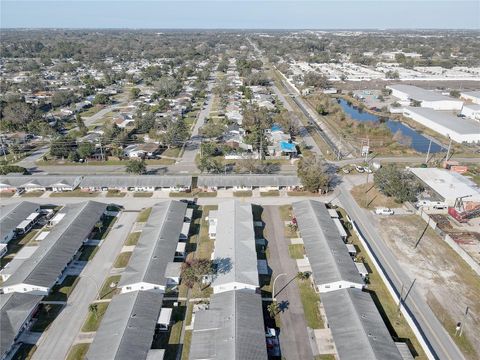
(445,280)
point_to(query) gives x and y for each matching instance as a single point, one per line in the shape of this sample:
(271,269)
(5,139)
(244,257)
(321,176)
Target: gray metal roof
(448,120)
(59,246)
(358,329)
(156,245)
(324,246)
(15,309)
(235,252)
(136,181)
(26,181)
(247,180)
(231,328)
(417,93)
(127,328)
(12,215)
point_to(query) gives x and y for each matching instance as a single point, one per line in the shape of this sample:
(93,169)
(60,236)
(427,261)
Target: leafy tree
(19,113)
(303,275)
(397,183)
(168,86)
(134,93)
(93,309)
(81,125)
(101,99)
(136,167)
(193,271)
(392,74)
(7,169)
(316,80)
(455,93)
(212,129)
(62,146)
(312,173)
(176,134)
(73,156)
(85,149)
(145,123)
(208,164)
(63,98)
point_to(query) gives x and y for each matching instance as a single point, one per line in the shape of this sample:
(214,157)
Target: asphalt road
(440,343)
(294,341)
(98,115)
(55,343)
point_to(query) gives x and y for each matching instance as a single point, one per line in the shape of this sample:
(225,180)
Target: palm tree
(303,275)
(273,309)
(94,309)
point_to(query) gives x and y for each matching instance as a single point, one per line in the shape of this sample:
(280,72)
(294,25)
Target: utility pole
(428,152)
(448,152)
(101,149)
(400,299)
(3,148)
(462,325)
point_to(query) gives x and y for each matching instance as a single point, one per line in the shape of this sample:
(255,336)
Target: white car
(359,169)
(384,211)
(368,170)
(346,171)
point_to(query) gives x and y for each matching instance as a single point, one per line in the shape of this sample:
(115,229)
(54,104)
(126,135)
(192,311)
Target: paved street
(29,161)
(441,343)
(98,115)
(56,341)
(294,341)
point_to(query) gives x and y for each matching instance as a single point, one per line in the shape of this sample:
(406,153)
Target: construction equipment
(461,213)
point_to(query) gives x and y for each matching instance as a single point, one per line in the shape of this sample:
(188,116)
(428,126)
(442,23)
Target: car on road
(359,169)
(384,211)
(368,170)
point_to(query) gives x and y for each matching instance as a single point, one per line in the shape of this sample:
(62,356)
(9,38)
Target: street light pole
(273,287)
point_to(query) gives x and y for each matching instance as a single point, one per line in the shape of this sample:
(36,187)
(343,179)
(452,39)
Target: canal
(419,142)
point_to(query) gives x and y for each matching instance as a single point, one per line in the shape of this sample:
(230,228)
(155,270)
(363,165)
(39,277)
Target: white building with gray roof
(156,247)
(136,182)
(331,264)
(12,215)
(37,274)
(56,183)
(357,328)
(427,98)
(242,182)
(235,253)
(231,328)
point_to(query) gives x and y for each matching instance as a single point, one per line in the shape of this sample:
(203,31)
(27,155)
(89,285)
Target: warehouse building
(471,111)
(16,312)
(446,123)
(448,185)
(37,274)
(11,216)
(357,328)
(473,96)
(331,264)
(235,253)
(156,247)
(427,98)
(136,183)
(248,182)
(127,328)
(231,328)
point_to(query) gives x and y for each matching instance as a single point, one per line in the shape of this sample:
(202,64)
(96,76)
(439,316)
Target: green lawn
(33,193)
(285,212)
(75,193)
(61,292)
(205,244)
(133,238)
(310,302)
(192,194)
(301,193)
(172,152)
(93,319)
(88,252)
(296,251)
(45,317)
(115,193)
(245,193)
(107,292)
(144,215)
(122,259)
(78,351)
(142,194)
(187,341)
(270,193)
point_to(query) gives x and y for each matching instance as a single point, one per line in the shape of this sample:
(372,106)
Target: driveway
(56,341)
(294,340)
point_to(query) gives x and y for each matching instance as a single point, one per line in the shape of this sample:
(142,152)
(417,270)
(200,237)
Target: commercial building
(448,185)
(427,98)
(127,328)
(235,254)
(473,96)
(37,274)
(136,183)
(357,328)
(446,123)
(156,247)
(12,216)
(332,267)
(231,328)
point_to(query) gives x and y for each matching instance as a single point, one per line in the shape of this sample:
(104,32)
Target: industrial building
(11,216)
(473,96)
(231,328)
(332,266)
(156,248)
(127,328)
(235,253)
(446,123)
(37,274)
(427,98)
(471,111)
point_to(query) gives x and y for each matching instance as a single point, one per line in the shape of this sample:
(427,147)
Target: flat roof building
(427,98)
(473,96)
(331,263)
(235,252)
(11,216)
(446,123)
(231,328)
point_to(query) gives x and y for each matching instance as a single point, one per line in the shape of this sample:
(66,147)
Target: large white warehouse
(427,98)
(473,96)
(446,123)
(471,111)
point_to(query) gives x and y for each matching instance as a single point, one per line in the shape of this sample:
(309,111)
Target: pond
(419,142)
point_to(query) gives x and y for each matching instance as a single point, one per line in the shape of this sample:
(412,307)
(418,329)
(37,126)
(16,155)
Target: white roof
(165,316)
(448,184)
(333,213)
(351,248)
(361,268)
(340,228)
(25,252)
(181,247)
(42,235)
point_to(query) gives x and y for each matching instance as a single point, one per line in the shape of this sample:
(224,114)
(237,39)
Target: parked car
(384,211)
(346,171)
(359,169)
(367,169)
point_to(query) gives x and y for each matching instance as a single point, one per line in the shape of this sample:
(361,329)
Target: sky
(242,14)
